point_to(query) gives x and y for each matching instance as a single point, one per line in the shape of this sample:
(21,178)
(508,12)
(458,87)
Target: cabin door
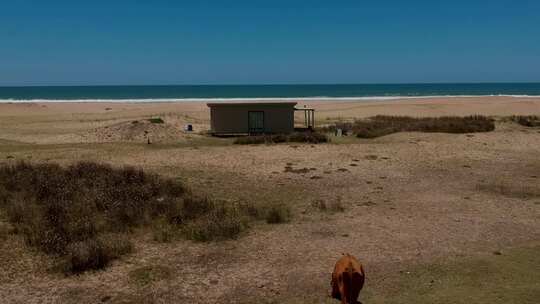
(256,121)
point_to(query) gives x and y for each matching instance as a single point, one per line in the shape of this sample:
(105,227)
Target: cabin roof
(243,103)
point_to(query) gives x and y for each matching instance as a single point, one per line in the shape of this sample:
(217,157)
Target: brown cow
(347,279)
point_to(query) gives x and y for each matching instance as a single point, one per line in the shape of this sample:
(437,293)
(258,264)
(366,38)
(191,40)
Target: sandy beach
(65,122)
(411,199)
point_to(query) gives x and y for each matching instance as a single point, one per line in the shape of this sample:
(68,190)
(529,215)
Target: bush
(4,231)
(308,137)
(95,253)
(251,140)
(527,121)
(278,214)
(82,213)
(163,231)
(253,211)
(301,137)
(383,125)
(221,222)
(156,120)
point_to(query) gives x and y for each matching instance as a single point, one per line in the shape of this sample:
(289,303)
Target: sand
(64,122)
(409,198)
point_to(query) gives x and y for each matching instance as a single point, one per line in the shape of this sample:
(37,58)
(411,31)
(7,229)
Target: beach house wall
(244,118)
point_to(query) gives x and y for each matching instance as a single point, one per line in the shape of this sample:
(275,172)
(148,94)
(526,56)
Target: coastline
(261,99)
(446,184)
(84,122)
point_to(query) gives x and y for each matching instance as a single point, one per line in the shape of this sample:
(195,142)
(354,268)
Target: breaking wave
(265,99)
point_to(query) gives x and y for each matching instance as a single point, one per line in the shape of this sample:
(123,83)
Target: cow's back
(347,279)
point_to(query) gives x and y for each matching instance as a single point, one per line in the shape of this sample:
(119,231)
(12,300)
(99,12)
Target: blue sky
(247,42)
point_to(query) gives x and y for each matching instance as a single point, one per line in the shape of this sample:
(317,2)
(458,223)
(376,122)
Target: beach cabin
(230,118)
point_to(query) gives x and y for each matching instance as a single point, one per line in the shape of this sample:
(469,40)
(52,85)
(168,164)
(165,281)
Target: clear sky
(245,42)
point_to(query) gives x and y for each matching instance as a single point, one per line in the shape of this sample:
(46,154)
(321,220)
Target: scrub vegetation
(382,125)
(156,120)
(85,213)
(299,137)
(527,121)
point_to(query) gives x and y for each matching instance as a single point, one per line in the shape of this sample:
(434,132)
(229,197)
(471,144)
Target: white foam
(255,99)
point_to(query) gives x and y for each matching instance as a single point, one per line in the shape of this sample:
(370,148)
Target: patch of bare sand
(141,131)
(57,123)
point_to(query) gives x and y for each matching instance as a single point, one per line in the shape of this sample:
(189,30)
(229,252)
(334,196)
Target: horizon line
(267,84)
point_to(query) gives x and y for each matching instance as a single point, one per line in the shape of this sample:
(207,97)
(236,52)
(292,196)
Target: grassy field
(498,278)
(503,277)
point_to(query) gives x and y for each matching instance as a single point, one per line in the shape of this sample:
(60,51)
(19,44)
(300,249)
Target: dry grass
(382,125)
(330,207)
(278,214)
(83,213)
(301,137)
(146,275)
(346,127)
(221,221)
(517,191)
(164,232)
(156,120)
(527,121)
(95,253)
(507,277)
(4,231)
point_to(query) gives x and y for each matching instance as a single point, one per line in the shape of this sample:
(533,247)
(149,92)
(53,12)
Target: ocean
(217,92)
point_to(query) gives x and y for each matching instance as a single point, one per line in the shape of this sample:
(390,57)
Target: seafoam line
(264,99)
